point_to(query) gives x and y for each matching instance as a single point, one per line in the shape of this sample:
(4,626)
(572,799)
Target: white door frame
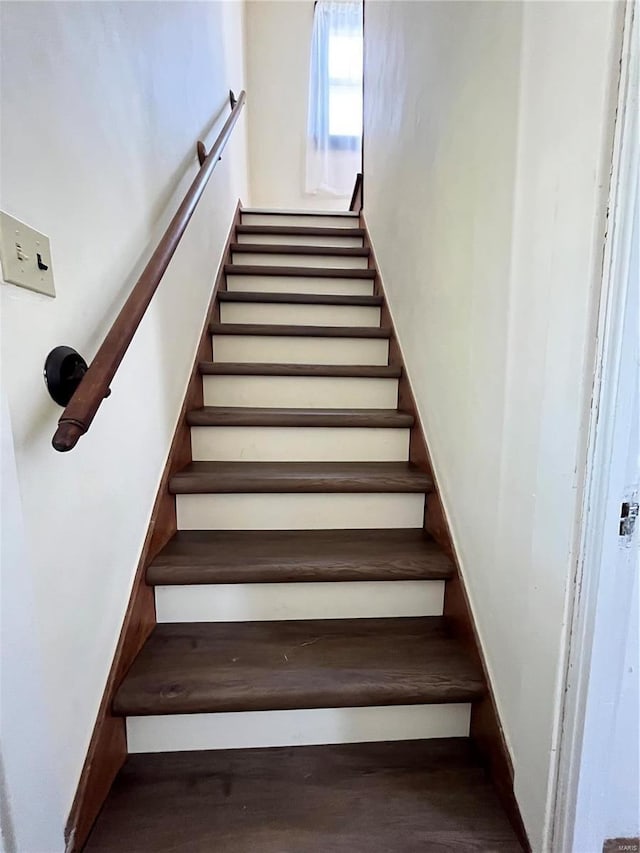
(615,284)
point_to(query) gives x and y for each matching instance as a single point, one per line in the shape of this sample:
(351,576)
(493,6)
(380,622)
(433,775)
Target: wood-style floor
(429,796)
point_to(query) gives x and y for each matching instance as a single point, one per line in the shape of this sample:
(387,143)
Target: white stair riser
(299,444)
(299,284)
(305,220)
(301,392)
(299,315)
(250,602)
(243,730)
(274,349)
(346,262)
(299,240)
(325,511)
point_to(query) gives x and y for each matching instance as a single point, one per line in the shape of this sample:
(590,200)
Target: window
(345,89)
(334,128)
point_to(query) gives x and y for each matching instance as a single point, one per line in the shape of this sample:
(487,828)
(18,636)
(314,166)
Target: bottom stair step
(356,798)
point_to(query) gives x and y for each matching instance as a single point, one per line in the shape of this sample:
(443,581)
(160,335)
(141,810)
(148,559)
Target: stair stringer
(107,748)
(486,729)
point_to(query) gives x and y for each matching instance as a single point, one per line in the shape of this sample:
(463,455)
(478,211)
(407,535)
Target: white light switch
(25,255)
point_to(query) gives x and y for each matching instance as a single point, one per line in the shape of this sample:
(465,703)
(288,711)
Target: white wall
(31,809)
(278,39)
(101,107)
(487,150)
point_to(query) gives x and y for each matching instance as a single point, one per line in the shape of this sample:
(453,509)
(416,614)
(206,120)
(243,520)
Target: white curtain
(334,127)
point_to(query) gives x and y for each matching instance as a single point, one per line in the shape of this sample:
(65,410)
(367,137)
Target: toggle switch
(25,255)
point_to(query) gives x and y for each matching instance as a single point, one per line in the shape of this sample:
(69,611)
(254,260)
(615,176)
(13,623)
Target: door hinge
(628,518)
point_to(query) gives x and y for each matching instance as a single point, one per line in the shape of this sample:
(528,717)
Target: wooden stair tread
(277,211)
(299,272)
(207,667)
(259,416)
(293,331)
(303,477)
(298,298)
(301,230)
(231,368)
(294,556)
(292,249)
(427,795)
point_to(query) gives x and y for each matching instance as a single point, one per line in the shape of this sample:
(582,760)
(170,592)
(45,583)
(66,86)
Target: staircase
(302,691)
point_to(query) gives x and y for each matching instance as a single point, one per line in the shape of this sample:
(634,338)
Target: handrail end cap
(66,437)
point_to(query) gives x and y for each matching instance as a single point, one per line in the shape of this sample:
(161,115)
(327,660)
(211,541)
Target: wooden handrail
(94,386)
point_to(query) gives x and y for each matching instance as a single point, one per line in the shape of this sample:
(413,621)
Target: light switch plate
(25,255)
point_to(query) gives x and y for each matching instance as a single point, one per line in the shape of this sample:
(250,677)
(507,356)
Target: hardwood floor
(404,797)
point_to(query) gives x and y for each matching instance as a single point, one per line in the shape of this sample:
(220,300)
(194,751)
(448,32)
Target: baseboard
(486,729)
(108,745)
